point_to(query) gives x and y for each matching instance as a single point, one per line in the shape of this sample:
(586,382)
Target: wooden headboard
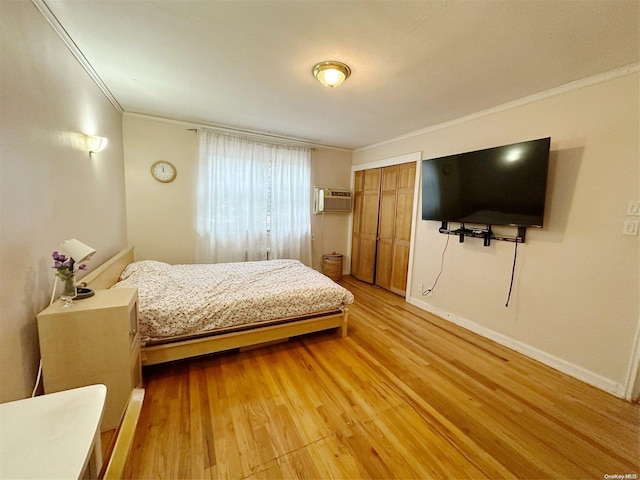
(108,273)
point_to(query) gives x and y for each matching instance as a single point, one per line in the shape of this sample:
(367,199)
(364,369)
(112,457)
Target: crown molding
(568,87)
(42,6)
(238,131)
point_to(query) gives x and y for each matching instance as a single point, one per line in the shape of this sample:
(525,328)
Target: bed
(211,310)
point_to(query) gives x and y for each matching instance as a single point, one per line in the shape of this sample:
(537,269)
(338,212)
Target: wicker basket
(332,266)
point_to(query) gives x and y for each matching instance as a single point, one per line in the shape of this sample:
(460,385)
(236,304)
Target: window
(253,200)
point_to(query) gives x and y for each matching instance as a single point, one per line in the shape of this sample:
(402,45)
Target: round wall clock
(163,171)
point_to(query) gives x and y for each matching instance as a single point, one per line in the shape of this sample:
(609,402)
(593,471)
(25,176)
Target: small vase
(69,291)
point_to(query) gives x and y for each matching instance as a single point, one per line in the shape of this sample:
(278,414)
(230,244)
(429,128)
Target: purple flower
(65,267)
(58,257)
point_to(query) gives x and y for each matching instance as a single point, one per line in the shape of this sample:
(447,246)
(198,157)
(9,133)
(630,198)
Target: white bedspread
(189,299)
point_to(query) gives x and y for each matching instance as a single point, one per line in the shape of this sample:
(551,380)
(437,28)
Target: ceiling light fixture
(331,74)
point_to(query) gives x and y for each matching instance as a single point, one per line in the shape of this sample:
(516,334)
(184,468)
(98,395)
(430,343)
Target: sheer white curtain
(252,197)
(291,204)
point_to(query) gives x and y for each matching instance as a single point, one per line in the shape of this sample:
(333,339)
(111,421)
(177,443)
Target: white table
(52,436)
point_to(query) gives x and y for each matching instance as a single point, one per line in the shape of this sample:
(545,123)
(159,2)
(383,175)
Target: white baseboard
(552,361)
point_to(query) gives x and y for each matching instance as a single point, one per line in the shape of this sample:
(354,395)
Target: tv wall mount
(485,233)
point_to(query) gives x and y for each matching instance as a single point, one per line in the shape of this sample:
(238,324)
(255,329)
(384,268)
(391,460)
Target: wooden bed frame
(108,273)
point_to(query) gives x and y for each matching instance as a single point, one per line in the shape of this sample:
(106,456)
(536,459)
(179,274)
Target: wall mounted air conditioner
(331,200)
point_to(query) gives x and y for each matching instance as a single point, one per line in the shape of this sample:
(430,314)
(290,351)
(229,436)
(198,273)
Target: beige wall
(50,189)
(575,300)
(330,168)
(161,217)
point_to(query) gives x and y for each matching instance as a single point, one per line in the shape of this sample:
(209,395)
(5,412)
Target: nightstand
(95,340)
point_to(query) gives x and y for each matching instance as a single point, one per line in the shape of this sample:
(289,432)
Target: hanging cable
(429,290)
(53,295)
(513,272)
(33,394)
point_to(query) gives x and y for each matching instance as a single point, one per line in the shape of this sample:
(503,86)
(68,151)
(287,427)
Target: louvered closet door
(394,227)
(386,226)
(355,231)
(365,224)
(402,227)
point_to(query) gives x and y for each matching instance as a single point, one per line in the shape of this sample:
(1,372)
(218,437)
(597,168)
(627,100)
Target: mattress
(178,300)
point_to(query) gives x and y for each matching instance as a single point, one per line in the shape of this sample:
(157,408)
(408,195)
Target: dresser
(93,341)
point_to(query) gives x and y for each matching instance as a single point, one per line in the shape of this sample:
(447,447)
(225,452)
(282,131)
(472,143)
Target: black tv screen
(503,185)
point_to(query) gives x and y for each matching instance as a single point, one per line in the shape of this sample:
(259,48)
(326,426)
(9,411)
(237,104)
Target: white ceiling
(247,64)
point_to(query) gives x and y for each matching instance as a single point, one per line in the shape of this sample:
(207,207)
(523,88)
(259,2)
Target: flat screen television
(503,185)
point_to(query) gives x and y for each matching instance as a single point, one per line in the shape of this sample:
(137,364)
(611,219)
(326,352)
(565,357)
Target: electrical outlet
(633,207)
(630,227)
(421,287)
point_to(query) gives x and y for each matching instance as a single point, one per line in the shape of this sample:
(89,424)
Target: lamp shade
(331,73)
(77,250)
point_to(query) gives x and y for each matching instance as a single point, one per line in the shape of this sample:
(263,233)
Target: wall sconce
(95,144)
(331,73)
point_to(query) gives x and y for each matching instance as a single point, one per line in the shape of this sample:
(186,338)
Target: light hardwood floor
(405,395)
